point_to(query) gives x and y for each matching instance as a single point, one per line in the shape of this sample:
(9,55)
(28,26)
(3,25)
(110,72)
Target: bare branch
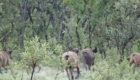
(3,37)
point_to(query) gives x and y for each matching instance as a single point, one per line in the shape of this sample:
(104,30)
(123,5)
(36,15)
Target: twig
(58,73)
(6,35)
(33,70)
(2,38)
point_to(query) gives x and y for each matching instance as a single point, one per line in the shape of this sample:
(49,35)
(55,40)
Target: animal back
(4,58)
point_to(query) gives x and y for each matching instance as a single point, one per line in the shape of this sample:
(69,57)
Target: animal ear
(70,48)
(95,50)
(10,52)
(76,50)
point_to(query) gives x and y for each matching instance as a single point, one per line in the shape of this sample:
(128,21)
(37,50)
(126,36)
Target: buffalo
(5,57)
(72,62)
(87,57)
(134,59)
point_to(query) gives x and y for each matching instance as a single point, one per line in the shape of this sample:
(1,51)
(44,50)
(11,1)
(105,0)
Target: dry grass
(46,73)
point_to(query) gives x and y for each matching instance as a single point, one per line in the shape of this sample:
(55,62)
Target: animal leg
(28,69)
(67,73)
(71,72)
(86,66)
(130,63)
(5,69)
(11,70)
(0,70)
(84,63)
(78,73)
(39,69)
(134,68)
(92,65)
(84,60)
(89,66)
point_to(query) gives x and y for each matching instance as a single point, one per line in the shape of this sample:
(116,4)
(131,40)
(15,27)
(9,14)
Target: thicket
(43,29)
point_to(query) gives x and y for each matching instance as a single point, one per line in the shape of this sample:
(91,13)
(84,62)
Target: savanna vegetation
(41,30)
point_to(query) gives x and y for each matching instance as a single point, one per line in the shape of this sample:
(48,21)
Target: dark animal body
(72,62)
(5,57)
(87,57)
(135,59)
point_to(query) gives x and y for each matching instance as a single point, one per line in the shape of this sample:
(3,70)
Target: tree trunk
(121,55)
(24,17)
(78,38)
(90,36)
(22,36)
(33,70)
(103,50)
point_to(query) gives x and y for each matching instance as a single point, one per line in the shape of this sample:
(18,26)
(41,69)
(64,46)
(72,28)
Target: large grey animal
(5,57)
(87,57)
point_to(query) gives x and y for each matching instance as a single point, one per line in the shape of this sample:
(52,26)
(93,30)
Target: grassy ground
(46,73)
(103,71)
